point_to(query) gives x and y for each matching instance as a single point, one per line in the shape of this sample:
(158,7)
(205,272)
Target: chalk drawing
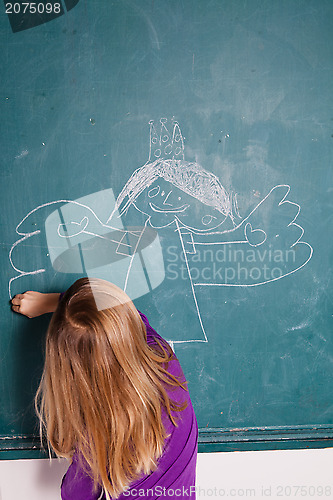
(190,207)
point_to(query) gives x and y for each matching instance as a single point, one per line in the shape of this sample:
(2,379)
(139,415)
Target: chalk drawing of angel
(192,234)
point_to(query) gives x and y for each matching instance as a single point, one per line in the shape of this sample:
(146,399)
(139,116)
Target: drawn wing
(274,217)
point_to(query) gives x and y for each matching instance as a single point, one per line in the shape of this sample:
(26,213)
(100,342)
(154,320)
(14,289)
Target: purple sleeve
(77,485)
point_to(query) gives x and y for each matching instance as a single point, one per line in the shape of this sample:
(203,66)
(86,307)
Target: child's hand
(33,304)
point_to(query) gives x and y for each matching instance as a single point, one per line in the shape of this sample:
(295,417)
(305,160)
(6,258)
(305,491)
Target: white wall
(296,474)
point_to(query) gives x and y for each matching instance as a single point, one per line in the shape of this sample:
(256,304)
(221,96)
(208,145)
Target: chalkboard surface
(182,150)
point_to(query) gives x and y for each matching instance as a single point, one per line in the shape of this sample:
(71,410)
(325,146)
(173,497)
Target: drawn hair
(103,386)
(190,177)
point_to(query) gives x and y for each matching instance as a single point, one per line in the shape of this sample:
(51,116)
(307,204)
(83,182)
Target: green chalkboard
(183,150)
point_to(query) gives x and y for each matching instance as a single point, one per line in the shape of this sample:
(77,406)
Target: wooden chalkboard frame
(210,440)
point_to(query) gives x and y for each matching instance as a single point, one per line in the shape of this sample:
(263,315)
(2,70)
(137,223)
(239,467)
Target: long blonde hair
(103,387)
(188,176)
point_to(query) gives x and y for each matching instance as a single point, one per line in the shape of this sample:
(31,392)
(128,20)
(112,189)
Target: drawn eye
(179,198)
(163,193)
(207,219)
(154,191)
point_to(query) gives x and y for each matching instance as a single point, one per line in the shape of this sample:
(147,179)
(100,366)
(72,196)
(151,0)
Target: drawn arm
(243,233)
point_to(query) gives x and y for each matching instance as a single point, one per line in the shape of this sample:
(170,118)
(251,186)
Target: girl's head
(102,385)
(188,181)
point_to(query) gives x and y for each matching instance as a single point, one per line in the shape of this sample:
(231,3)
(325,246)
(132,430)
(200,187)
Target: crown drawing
(165,144)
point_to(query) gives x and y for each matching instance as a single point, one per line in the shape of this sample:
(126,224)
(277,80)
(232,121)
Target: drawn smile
(155,208)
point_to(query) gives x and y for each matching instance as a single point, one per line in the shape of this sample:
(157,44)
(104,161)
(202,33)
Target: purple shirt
(175,474)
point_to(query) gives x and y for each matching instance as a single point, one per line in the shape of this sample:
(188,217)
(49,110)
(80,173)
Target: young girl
(112,397)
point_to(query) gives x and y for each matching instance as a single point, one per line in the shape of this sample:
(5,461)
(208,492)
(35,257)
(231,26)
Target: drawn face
(164,203)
